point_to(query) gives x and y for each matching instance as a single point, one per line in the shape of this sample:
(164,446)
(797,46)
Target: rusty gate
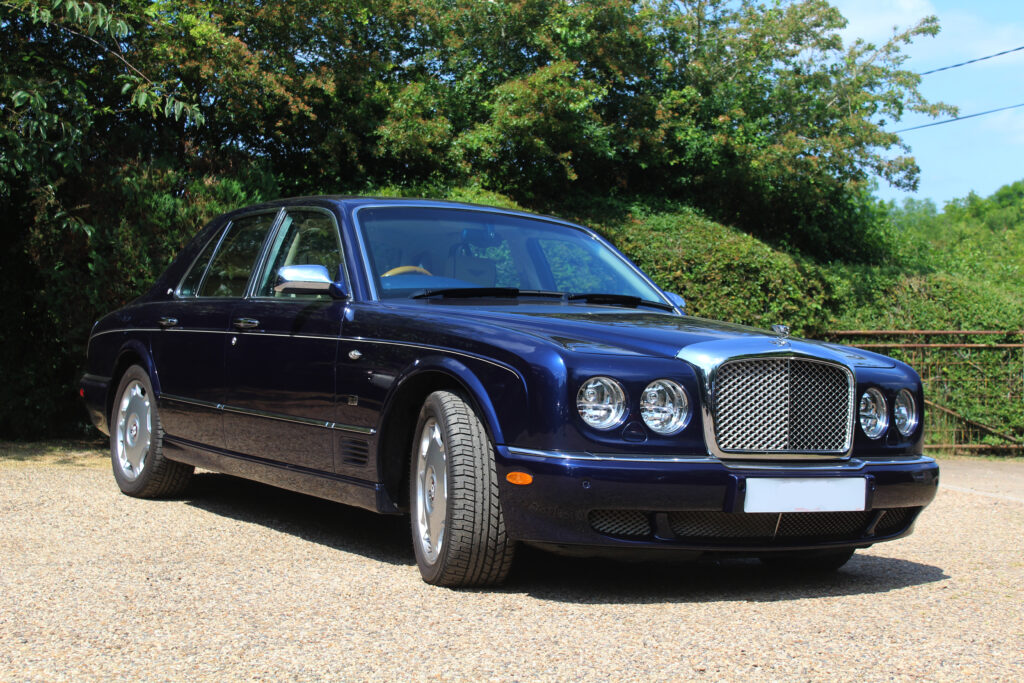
(973,384)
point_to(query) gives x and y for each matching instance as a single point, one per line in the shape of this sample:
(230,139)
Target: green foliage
(728,275)
(125,125)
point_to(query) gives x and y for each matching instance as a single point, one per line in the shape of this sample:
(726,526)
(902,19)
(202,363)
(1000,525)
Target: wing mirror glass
(309,279)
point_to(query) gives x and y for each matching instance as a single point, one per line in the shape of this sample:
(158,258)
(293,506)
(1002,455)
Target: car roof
(352,202)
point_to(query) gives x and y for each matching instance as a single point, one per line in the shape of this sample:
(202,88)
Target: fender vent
(355,452)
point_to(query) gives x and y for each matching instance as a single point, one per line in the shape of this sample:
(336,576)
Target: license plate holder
(804,494)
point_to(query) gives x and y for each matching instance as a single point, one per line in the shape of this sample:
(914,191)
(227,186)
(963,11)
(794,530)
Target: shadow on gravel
(604,581)
(379,537)
(543,575)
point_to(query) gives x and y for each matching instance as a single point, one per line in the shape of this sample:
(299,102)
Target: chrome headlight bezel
(905,413)
(601,394)
(666,392)
(873,413)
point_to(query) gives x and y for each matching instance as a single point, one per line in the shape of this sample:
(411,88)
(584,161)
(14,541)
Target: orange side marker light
(519,478)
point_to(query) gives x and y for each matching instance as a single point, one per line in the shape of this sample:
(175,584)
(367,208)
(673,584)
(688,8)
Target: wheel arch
(401,412)
(133,352)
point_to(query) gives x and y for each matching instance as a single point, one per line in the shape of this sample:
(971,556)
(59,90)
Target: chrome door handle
(246,323)
(166,322)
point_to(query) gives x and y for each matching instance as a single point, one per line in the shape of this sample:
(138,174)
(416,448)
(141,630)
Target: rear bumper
(94,394)
(697,504)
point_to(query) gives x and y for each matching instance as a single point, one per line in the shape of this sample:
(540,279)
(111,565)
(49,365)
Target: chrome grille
(783,405)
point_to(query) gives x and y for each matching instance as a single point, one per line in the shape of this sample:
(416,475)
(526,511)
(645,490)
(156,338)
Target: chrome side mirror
(677,301)
(308,279)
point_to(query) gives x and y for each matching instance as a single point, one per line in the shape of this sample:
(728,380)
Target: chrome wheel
(134,430)
(431,490)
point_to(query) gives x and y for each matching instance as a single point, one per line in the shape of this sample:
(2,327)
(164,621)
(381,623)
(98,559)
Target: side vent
(355,452)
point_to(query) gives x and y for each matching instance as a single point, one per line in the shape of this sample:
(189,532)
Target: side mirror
(308,279)
(677,301)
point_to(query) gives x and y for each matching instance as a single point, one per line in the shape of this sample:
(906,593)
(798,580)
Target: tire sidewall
(138,485)
(432,409)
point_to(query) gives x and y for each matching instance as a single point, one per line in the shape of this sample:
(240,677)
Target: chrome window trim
(707,357)
(265,250)
(368,268)
(309,422)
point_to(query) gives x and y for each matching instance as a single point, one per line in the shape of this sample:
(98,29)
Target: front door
(280,399)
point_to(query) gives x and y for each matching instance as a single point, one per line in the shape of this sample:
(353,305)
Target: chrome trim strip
(610,457)
(309,422)
(425,347)
(326,337)
(852,465)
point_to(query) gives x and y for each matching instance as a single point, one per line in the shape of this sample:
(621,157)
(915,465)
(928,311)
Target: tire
(136,442)
(811,561)
(458,530)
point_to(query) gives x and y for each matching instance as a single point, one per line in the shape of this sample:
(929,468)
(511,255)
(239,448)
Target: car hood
(617,331)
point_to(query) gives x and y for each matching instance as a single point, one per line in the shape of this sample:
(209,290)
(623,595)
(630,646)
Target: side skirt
(359,493)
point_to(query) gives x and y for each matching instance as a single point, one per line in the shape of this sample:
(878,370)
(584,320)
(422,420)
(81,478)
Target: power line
(971,61)
(959,118)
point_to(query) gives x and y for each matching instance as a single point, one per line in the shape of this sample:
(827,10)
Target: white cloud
(874,20)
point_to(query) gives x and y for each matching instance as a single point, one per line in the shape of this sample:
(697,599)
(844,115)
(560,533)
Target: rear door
(189,350)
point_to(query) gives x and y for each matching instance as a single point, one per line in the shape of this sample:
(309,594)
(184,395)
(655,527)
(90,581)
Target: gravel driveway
(241,581)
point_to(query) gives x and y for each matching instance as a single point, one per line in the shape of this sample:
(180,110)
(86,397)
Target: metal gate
(973,384)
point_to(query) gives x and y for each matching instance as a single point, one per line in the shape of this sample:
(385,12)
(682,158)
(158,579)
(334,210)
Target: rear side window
(229,272)
(190,285)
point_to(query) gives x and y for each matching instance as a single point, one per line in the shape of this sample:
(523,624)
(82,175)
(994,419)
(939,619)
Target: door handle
(246,323)
(166,322)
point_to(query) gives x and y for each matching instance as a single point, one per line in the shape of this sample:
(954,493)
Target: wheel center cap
(133,430)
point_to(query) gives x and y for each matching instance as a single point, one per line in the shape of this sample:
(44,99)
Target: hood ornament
(783,334)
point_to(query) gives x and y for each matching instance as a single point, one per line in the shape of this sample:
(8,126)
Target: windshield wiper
(619,300)
(485,293)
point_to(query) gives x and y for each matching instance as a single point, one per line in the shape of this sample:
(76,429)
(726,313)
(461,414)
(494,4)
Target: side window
(229,272)
(190,285)
(306,238)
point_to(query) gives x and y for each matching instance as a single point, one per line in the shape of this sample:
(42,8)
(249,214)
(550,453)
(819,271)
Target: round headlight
(874,414)
(664,406)
(601,402)
(904,413)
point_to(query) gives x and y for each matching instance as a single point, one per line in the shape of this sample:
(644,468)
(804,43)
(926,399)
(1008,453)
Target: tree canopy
(125,125)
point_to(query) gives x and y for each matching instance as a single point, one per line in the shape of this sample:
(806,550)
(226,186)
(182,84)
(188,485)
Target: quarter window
(190,285)
(229,272)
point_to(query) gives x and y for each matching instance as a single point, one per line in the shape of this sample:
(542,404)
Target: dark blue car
(502,378)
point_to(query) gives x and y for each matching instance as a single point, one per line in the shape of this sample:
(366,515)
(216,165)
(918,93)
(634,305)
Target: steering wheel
(402,270)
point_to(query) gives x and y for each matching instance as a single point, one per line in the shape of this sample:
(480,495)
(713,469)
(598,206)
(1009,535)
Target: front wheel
(458,530)
(136,442)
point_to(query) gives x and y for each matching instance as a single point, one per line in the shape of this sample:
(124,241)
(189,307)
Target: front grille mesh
(620,522)
(783,405)
(738,529)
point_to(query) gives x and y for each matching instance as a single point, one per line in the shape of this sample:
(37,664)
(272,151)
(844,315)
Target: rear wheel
(136,442)
(458,530)
(821,561)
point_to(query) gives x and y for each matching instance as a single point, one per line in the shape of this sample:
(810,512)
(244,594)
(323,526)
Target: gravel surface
(241,581)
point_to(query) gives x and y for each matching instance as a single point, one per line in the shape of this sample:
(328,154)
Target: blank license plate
(805,495)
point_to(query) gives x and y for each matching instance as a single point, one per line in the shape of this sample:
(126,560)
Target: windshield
(412,250)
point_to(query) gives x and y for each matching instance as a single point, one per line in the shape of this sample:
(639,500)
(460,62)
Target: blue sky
(980,154)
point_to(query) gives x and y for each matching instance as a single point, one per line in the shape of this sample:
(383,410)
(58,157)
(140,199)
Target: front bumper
(696,503)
